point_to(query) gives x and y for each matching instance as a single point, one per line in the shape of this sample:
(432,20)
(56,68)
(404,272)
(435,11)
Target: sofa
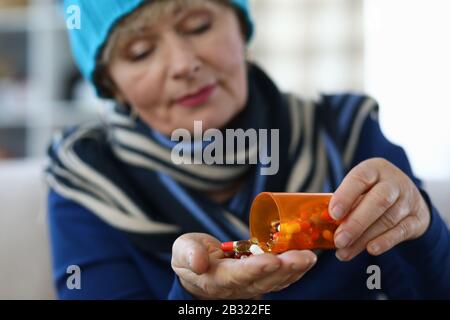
(25,267)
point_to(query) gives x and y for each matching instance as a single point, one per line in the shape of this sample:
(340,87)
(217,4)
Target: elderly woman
(139,225)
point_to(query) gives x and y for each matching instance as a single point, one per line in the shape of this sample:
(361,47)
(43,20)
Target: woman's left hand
(380,207)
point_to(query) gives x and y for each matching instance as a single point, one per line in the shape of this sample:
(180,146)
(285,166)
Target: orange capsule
(293,227)
(327,235)
(227,246)
(326,216)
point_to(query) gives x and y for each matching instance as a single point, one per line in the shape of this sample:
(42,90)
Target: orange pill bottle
(302,220)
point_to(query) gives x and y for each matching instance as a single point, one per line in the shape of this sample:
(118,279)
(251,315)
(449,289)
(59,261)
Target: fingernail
(271,267)
(374,248)
(342,239)
(337,212)
(309,264)
(190,259)
(312,263)
(342,255)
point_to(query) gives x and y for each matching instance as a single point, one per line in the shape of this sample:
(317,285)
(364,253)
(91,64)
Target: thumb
(191,251)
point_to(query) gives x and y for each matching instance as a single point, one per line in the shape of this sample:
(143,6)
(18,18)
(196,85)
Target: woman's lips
(198,98)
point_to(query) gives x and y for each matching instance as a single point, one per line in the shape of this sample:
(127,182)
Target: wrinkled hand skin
(380,207)
(204,271)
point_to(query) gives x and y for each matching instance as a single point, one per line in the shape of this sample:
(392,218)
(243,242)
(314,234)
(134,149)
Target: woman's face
(188,67)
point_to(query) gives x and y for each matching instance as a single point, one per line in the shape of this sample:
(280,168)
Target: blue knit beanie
(97,19)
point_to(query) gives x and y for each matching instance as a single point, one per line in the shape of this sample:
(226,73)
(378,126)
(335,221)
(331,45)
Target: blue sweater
(113,268)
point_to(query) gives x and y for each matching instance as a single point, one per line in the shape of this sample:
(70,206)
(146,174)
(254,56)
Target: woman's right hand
(204,271)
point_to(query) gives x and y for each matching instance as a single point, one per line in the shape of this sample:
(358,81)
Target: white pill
(255,249)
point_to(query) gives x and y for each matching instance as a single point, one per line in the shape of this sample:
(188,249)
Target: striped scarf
(122,172)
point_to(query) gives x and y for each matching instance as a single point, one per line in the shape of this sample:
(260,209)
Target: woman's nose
(183,60)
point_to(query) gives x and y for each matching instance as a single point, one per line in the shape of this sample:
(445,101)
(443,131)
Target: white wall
(407,69)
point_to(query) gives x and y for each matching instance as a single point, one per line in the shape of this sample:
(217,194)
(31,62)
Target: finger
(357,202)
(293,277)
(386,222)
(294,264)
(360,179)
(192,251)
(232,273)
(405,230)
(297,260)
(375,203)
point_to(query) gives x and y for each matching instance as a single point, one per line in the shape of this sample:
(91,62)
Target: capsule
(255,249)
(326,216)
(293,227)
(327,235)
(236,246)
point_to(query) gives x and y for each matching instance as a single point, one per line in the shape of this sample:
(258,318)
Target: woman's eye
(139,52)
(140,56)
(201,29)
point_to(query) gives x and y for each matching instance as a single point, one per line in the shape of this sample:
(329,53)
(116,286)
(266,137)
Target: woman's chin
(212,119)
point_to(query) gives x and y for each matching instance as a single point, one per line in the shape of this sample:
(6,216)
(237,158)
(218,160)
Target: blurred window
(407,70)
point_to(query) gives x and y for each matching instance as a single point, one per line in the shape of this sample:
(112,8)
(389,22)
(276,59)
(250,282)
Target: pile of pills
(241,249)
(312,228)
